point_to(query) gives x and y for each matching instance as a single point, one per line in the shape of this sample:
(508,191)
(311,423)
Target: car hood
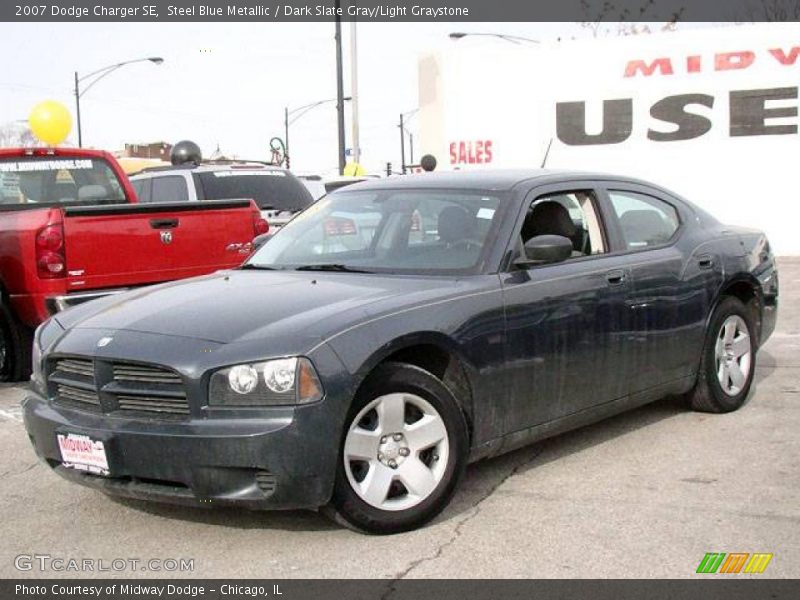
(241,306)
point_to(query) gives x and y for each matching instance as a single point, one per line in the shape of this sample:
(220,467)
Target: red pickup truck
(71,231)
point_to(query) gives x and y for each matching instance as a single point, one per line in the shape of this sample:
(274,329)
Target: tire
(728,362)
(15,347)
(403,451)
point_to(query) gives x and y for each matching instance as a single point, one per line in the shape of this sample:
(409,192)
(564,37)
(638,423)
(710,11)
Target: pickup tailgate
(127,245)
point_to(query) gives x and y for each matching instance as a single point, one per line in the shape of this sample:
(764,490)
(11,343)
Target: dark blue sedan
(395,331)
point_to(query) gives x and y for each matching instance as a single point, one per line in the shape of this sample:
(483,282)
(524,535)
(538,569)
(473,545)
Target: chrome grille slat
(76,396)
(84,368)
(138,373)
(156,405)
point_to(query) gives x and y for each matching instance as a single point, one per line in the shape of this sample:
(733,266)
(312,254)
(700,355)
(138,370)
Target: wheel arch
(435,353)
(746,288)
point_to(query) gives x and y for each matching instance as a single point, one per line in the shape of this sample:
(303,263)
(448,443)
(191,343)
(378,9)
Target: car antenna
(547,153)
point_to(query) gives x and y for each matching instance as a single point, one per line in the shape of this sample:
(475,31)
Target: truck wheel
(728,362)
(403,452)
(15,347)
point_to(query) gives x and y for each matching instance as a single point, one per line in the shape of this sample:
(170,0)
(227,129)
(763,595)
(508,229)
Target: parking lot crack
(473,512)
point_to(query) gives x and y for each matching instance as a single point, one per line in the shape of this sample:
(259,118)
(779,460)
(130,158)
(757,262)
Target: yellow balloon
(50,121)
(353,169)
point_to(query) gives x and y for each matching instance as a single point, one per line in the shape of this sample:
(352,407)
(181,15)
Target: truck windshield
(54,180)
(271,189)
(435,232)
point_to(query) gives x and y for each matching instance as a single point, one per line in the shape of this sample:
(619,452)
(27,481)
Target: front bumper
(263,463)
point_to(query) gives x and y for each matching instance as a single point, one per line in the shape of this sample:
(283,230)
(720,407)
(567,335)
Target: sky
(227,84)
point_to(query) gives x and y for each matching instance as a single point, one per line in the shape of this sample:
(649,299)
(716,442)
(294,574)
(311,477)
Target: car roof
(211,167)
(495,179)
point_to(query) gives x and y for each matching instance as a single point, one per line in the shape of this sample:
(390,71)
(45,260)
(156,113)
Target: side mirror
(545,249)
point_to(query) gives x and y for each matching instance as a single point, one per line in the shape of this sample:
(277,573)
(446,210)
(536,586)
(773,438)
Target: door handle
(705,262)
(164,223)
(616,277)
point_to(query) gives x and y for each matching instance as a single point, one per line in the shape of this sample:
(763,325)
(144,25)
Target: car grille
(120,388)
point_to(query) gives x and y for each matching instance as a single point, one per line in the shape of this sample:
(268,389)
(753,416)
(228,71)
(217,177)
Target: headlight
(284,381)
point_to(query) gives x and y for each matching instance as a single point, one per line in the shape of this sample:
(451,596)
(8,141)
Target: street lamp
(300,111)
(514,39)
(404,118)
(98,75)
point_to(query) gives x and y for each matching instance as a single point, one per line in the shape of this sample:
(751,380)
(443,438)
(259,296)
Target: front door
(566,323)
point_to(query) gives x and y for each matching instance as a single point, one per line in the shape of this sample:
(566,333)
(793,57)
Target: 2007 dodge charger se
(397,330)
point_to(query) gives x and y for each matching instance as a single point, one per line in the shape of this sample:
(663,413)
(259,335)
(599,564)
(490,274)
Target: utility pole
(339,88)
(402,146)
(354,92)
(78,110)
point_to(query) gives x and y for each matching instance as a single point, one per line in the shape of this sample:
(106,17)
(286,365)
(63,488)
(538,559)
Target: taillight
(51,262)
(339,226)
(260,225)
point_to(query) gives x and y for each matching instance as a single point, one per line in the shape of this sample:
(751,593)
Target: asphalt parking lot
(645,494)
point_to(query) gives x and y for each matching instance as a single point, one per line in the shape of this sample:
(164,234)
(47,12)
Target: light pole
(339,87)
(98,75)
(404,118)
(300,111)
(514,39)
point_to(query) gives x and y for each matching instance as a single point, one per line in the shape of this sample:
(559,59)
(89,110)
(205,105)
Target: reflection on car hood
(232,306)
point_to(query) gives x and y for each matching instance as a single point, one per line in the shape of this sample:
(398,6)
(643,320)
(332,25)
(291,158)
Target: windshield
(396,231)
(271,189)
(53,180)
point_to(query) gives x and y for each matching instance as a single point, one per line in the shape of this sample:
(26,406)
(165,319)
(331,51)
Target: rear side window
(142,189)
(169,189)
(645,221)
(272,189)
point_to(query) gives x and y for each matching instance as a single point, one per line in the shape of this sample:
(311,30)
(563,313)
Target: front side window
(425,231)
(569,214)
(645,221)
(56,180)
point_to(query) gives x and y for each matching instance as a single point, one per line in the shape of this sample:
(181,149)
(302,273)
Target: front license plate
(83,453)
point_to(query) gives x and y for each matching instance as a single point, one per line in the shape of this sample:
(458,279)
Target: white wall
(505,93)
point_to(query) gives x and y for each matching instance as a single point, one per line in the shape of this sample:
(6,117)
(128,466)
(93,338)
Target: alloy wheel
(396,451)
(733,354)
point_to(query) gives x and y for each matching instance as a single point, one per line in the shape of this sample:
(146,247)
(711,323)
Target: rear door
(668,297)
(566,323)
(120,246)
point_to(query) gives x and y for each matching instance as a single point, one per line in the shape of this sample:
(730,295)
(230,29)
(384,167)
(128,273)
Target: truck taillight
(260,224)
(50,260)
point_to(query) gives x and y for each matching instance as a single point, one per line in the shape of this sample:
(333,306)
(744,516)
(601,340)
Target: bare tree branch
(773,10)
(628,21)
(15,135)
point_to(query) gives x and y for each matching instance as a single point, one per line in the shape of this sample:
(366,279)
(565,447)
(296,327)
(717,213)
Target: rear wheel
(15,347)
(403,452)
(728,363)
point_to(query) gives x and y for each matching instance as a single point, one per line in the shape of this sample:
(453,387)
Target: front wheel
(729,359)
(403,452)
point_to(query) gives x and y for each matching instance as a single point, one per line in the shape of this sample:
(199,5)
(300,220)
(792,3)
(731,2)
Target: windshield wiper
(256,267)
(331,267)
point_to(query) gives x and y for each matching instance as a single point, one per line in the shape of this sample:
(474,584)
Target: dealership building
(710,113)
